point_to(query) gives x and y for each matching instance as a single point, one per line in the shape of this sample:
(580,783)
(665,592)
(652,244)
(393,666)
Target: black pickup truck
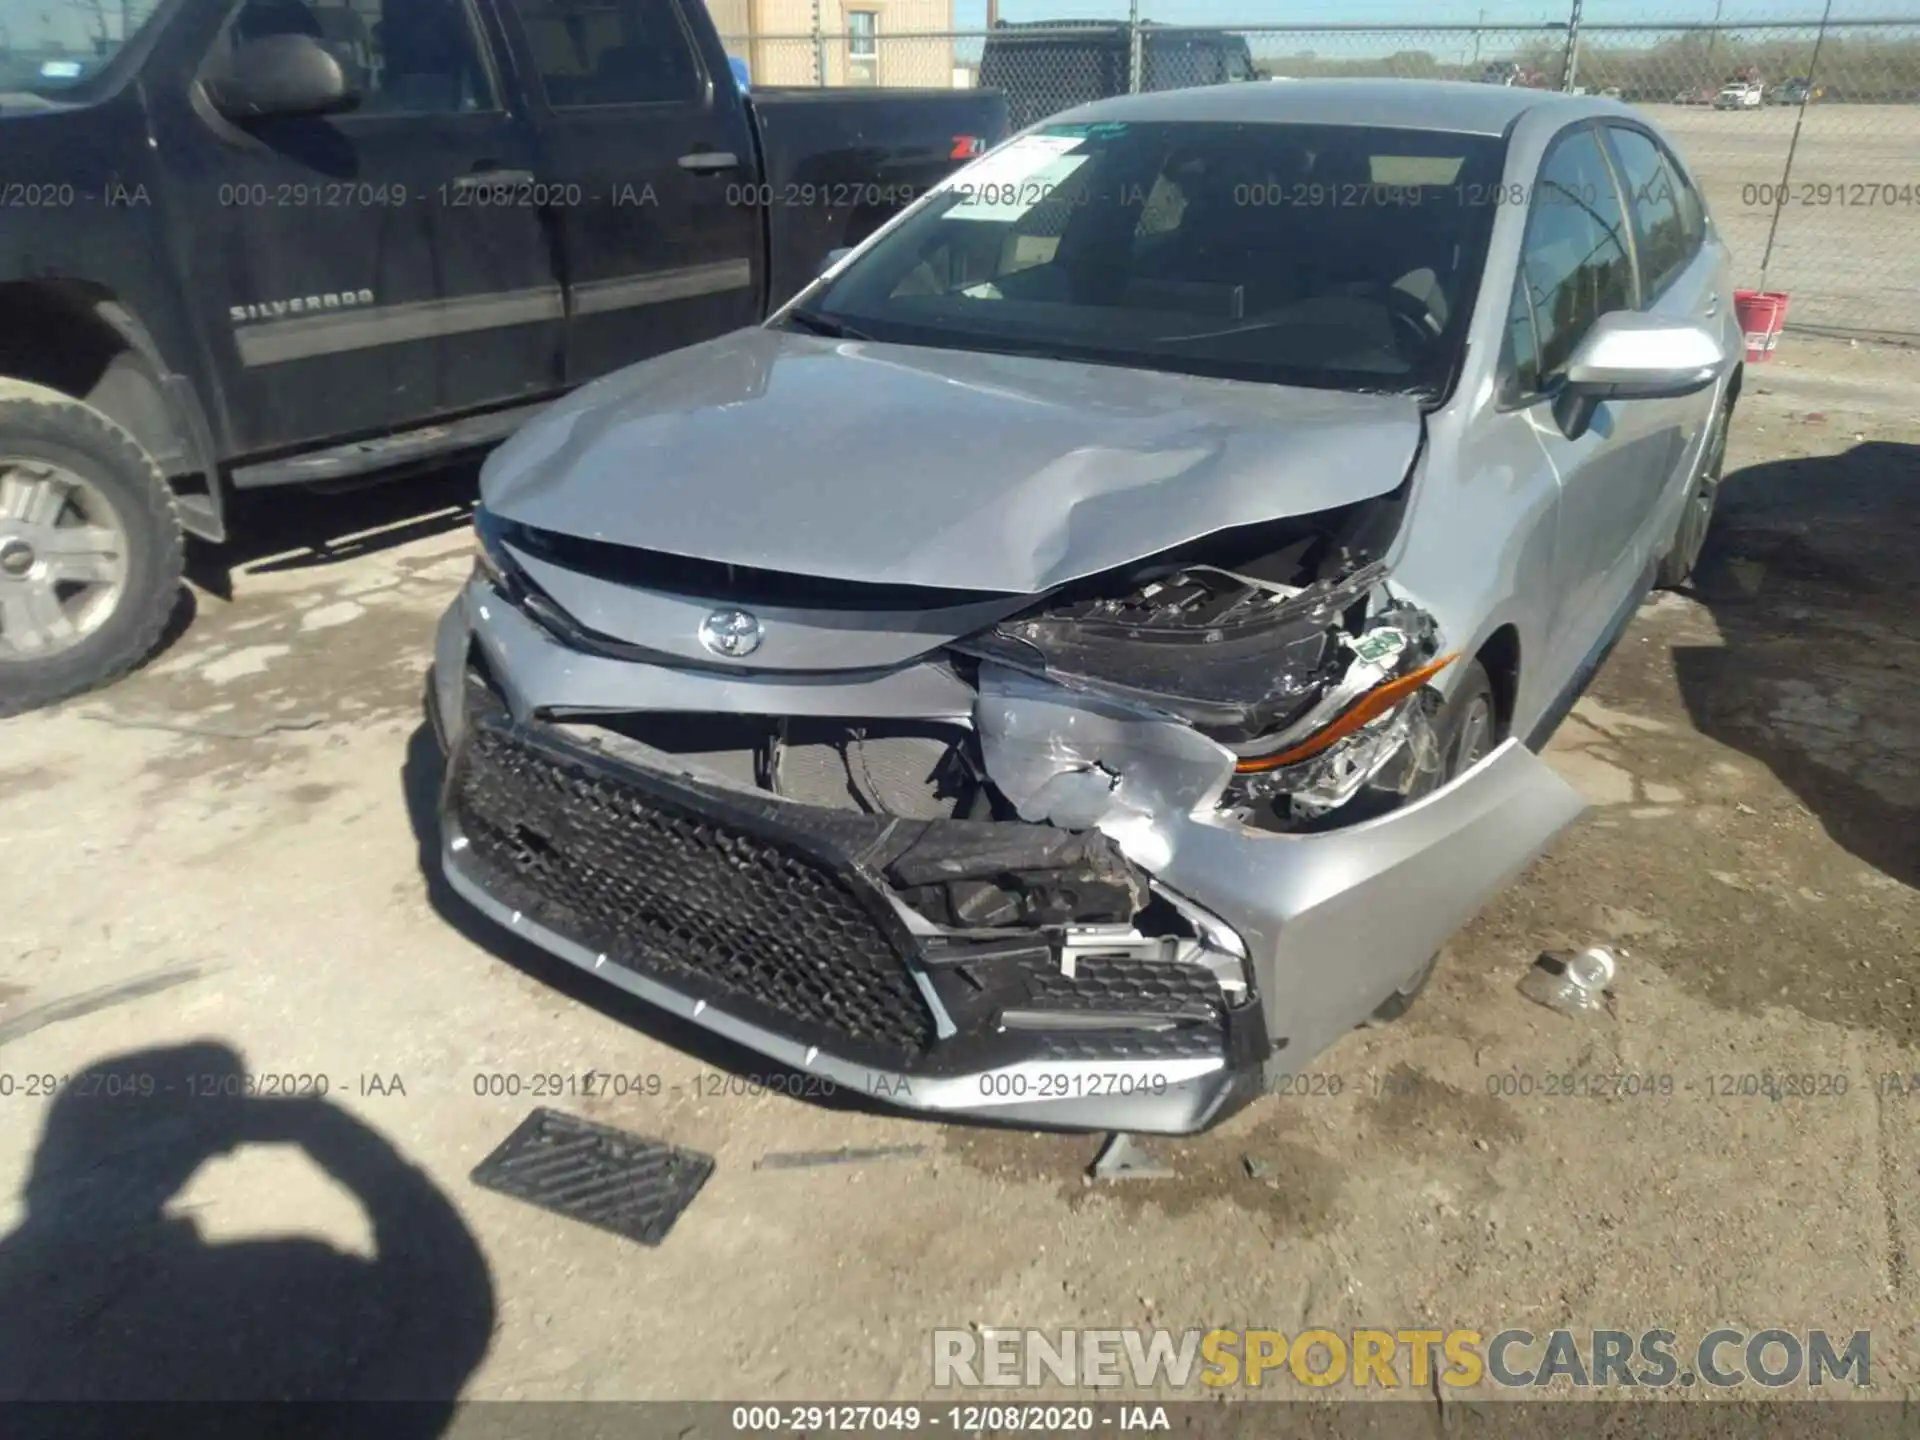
(247,243)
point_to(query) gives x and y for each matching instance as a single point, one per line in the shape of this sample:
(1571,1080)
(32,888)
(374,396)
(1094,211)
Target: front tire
(91,550)
(1690,537)
(1466,730)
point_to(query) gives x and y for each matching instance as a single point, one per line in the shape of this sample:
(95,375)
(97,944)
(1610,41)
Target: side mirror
(282,75)
(1631,356)
(834,257)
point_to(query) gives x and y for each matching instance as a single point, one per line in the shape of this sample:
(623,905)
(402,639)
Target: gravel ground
(192,895)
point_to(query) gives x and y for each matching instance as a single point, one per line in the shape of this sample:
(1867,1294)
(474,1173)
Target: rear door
(1576,264)
(647,158)
(1678,279)
(348,286)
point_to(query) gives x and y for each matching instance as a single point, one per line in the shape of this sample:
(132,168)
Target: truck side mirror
(281,75)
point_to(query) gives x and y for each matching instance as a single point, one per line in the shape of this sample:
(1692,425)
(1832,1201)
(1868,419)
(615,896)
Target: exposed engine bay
(1284,645)
(1267,678)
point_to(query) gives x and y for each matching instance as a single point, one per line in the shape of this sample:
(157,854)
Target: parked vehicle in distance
(1512,72)
(292,241)
(1162,717)
(1797,91)
(1612,92)
(1046,66)
(1740,95)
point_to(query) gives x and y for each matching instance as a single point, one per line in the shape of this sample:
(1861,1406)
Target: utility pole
(1793,145)
(1571,69)
(1482,20)
(1713,35)
(1133,47)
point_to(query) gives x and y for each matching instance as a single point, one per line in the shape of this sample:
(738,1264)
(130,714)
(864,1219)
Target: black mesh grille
(723,910)
(1124,982)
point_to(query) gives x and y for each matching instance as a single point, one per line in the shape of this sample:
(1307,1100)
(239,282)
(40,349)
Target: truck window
(611,52)
(407,57)
(51,49)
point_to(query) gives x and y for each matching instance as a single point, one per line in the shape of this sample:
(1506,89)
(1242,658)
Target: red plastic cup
(1763,315)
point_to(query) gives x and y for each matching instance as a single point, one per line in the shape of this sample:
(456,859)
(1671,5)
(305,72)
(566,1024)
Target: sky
(971,14)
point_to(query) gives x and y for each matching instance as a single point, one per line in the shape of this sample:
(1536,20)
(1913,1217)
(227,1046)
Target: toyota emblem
(732,633)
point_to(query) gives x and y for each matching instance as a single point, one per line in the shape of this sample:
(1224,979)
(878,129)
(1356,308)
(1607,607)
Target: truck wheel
(90,548)
(1467,731)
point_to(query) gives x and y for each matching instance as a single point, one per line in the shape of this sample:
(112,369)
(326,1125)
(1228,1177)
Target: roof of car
(1449,105)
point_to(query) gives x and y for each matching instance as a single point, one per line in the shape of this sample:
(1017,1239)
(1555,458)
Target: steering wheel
(1411,315)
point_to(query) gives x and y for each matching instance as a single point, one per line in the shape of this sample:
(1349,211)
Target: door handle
(706,162)
(488,179)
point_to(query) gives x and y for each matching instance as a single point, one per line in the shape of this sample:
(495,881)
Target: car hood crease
(892,464)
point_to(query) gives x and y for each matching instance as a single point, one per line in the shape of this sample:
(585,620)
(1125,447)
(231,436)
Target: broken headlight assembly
(495,566)
(1373,729)
(491,562)
(1310,671)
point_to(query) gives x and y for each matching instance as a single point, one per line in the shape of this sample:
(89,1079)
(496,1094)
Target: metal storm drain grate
(602,1177)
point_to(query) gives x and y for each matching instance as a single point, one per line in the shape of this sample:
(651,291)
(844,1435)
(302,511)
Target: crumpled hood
(894,464)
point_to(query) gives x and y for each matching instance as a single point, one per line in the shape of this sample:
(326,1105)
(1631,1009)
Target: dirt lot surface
(191,895)
(1844,244)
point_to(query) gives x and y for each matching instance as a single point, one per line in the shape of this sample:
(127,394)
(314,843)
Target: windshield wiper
(820,325)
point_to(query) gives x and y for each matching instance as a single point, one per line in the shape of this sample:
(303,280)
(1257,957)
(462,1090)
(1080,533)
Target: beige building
(863,42)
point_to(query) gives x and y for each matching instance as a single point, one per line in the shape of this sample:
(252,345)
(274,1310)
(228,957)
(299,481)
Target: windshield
(1337,257)
(50,48)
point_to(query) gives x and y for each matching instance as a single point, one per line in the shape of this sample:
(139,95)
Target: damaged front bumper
(786,927)
(775,926)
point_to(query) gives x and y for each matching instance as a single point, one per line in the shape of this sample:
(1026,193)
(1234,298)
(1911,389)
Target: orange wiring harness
(1374,703)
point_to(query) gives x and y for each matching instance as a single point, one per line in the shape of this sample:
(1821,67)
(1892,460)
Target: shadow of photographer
(108,1295)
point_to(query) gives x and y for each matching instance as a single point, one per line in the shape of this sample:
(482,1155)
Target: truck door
(352,283)
(649,153)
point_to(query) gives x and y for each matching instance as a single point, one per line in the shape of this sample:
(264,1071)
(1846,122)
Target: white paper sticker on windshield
(1014,179)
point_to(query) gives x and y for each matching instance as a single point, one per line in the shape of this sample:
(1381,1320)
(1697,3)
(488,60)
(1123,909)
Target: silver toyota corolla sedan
(1090,650)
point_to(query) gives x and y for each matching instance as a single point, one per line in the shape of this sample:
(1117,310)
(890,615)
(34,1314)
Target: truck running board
(362,457)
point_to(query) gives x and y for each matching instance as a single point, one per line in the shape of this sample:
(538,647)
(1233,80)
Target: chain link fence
(1805,135)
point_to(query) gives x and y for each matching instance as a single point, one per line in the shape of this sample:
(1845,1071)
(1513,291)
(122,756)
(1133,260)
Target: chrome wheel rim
(63,559)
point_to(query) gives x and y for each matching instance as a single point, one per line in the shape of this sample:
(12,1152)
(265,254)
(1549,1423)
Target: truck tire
(90,548)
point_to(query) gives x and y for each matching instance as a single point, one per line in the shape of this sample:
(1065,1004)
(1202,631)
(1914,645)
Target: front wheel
(1690,538)
(90,548)
(1465,731)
